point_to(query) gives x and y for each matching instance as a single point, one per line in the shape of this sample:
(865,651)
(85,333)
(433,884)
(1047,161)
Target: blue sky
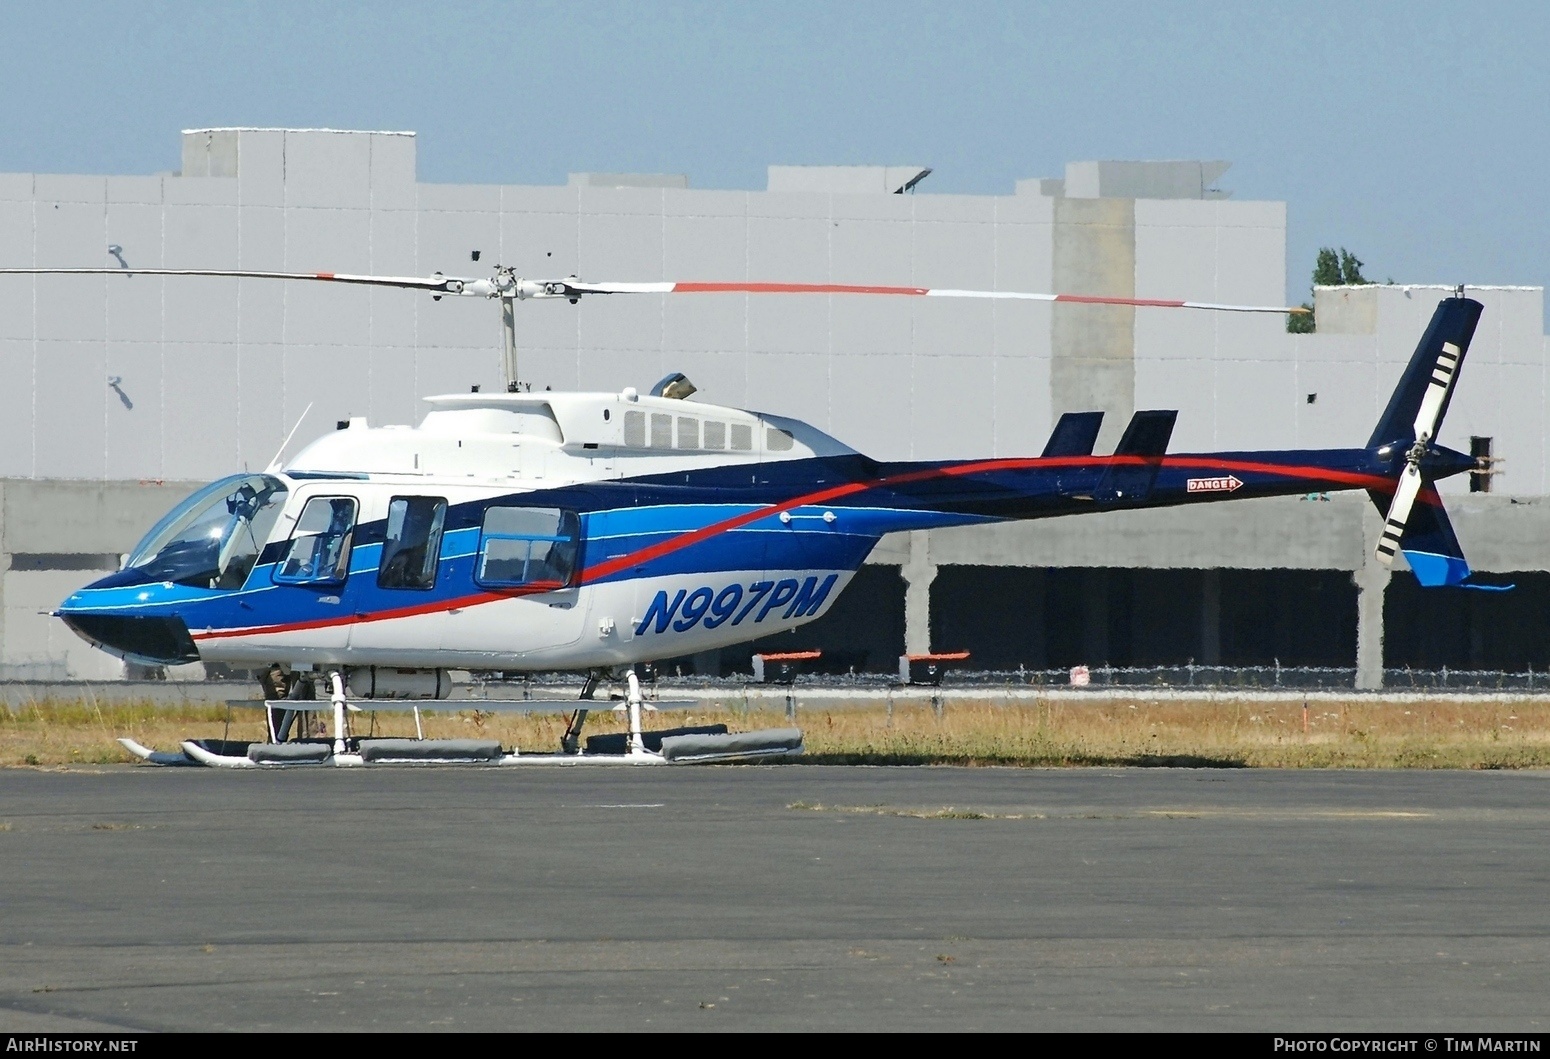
(1413,133)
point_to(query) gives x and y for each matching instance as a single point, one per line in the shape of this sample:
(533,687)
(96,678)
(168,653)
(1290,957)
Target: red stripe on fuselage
(609,567)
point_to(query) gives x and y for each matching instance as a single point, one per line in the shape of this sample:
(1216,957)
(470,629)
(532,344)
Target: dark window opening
(412,543)
(1480,477)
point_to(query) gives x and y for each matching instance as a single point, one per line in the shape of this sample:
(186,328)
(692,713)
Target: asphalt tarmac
(776,897)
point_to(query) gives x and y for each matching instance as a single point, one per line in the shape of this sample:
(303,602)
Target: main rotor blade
(1399,513)
(504,285)
(578,287)
(437,284)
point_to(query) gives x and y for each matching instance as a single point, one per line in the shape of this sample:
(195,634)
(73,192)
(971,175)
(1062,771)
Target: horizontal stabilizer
(1148,433)
(1075,434)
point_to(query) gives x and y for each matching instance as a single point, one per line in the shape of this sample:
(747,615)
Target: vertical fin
(1074,435)
(1127,478)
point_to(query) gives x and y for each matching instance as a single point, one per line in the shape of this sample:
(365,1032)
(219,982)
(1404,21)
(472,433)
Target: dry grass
(1356,733)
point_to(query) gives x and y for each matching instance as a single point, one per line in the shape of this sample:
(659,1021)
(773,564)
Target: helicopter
(589,532)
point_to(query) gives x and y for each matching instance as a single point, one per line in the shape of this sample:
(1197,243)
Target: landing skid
(681,746)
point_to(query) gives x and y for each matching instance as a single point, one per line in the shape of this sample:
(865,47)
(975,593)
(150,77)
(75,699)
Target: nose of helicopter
(142,634)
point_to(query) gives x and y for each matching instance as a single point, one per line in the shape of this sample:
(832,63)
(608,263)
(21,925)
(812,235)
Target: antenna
(274,464)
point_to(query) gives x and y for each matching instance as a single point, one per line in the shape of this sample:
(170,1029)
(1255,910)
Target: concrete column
(1092,347)
(1211,618)
(918,574)
(1370,580)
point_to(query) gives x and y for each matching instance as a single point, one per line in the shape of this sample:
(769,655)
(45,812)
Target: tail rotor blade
(1399,513)
(1437,389)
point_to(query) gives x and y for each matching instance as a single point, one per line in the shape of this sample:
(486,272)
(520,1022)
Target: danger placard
(1222,484)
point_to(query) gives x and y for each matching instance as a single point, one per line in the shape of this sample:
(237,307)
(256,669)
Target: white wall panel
(392,385)
(863,325)
(540,245)
(1023,257)
(869,404)
(947,413)
(16,292)
(135,303)
(1020,404)
(393,172)
(261,167)
(1256,405)
(1345,410)
(1189,386)
(556,367)
(705,248)
(135,416)
(16,413)
(454,370)
(67,187)
(266,410)
(70,394)
(329,171)
(141,190)
(200,391)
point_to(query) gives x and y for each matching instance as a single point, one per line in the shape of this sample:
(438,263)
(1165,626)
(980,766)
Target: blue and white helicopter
(587,532)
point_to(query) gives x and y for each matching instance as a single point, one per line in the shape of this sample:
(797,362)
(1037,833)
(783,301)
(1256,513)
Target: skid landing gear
(341,748)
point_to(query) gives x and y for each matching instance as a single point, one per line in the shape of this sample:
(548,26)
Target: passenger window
(320,544)
(412,543)
(688,433)
(635,429)
(532,546)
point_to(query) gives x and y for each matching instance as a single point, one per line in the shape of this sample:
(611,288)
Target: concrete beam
(82,517)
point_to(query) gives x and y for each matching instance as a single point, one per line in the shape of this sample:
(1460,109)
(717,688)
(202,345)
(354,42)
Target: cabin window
(320,544)
(412,543)
(742,437)
(688,432)
(777,440)
(715,435)
(635,429)
(661,431)
(531,546)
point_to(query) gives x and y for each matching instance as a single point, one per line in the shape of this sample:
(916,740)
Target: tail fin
(1453,324)
(1075,434)
(1146,436)
(1415,521)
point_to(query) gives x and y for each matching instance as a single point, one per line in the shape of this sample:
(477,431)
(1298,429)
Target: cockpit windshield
(213,538)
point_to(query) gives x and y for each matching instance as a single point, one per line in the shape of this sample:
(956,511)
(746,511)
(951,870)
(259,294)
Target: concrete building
(117,393)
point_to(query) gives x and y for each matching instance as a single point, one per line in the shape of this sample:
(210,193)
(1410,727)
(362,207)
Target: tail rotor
(1426,386)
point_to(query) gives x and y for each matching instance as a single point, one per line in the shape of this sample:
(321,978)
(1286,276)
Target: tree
(1332,268)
